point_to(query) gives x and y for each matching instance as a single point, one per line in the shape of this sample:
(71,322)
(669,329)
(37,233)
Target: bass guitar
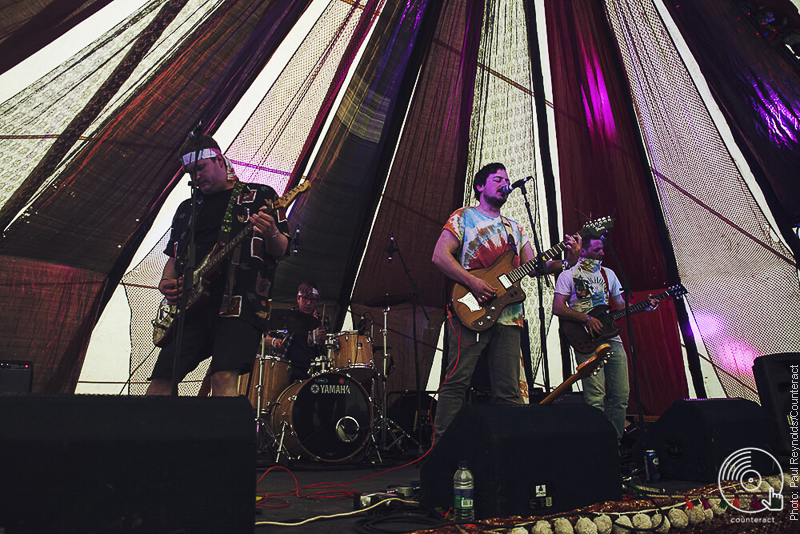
(591,366)
(582,340)
(198,291)
(506,279)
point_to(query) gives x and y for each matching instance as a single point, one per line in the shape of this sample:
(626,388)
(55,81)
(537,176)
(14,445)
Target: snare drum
(274,379)
(327,417)
(352,354)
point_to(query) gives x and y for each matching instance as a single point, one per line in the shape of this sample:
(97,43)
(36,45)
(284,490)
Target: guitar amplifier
(16,376)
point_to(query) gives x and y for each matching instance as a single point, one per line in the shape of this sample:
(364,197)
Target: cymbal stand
(280,448)
(383,419)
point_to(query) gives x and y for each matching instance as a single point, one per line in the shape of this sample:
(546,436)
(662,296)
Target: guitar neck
(222,253)
(527,268)
(638,307)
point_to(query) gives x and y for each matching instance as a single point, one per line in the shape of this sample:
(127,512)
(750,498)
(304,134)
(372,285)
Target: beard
(496,202)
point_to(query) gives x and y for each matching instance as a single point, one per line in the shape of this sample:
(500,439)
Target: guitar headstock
(289,196)
(593,365)
(597,227)
(677,291)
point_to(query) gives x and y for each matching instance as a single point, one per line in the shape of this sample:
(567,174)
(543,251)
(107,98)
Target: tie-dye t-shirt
(483,240)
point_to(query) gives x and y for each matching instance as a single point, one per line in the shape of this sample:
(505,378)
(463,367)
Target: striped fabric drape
(349,171)
(601,174)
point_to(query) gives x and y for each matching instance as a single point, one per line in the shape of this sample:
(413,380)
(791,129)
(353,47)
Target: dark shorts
(232,343)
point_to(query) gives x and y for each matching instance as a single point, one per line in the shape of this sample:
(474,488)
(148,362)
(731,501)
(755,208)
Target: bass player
(473,238)
(229,323)
(578,290)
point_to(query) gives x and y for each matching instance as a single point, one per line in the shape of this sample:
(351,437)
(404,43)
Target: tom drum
(352,354)
(275,374)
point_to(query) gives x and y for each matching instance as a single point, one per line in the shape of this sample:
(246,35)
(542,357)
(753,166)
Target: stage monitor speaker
(693,437)
(526,459)
(89,463)
(773,374)
(16,376)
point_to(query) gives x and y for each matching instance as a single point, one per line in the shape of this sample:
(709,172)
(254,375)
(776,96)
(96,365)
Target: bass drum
(326,418)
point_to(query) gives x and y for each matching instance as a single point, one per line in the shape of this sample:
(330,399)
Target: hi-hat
(292,321)
(386,301)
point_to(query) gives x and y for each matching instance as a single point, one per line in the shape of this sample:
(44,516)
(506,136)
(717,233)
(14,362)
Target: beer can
(651,466)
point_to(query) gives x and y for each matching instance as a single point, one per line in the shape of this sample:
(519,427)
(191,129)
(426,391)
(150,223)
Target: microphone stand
(422,416)
(540,271)
(188,273)
(626,289)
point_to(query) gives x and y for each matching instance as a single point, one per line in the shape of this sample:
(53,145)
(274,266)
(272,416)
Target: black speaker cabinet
(16,376)
(693,437)
(526,460)
(90,464)
(773,374)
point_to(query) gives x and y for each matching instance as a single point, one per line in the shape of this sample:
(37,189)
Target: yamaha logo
(322,386)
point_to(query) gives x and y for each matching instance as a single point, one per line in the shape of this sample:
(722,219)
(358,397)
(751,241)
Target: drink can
(651,466)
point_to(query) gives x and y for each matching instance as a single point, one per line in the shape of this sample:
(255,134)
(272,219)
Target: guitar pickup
(504,281)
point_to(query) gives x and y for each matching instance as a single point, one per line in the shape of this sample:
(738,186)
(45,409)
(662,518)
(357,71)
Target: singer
(228,324)
(473,238)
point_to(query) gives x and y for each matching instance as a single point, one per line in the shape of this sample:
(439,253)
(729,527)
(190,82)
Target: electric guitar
(591,366)
(582,340)
(198,291)
(502,275)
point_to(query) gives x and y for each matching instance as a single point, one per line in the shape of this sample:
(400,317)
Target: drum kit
(331,416)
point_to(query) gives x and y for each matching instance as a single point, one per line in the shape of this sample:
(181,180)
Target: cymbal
(292,321)
(386,301)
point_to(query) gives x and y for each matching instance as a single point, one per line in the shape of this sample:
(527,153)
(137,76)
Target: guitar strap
(608,287)
(509,236)
(226,229)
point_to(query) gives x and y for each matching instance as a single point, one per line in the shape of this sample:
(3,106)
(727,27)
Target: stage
(80,464)
(324,503)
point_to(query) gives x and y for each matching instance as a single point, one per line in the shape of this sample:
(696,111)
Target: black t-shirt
(211,211)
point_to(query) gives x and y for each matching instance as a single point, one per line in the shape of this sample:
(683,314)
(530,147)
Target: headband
(206,153)
(313,292)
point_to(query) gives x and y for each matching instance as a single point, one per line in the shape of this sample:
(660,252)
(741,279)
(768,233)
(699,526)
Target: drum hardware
(384,423)
(291,321)
(391,300)
(280,447)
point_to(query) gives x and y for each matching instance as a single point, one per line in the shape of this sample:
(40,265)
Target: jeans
(502,345)
(612,377)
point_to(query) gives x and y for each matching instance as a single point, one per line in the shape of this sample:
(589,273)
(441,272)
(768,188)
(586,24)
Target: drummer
(303,347)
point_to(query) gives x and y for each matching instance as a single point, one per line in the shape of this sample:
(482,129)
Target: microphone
(507,189)
(197,132)
(296,240)
(362,325)
(390,249)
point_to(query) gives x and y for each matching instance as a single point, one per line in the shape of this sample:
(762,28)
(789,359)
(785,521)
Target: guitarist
(472,238)
(227,325)
(578,290)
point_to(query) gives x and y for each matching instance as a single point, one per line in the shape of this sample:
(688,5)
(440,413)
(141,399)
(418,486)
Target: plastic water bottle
(463,493)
